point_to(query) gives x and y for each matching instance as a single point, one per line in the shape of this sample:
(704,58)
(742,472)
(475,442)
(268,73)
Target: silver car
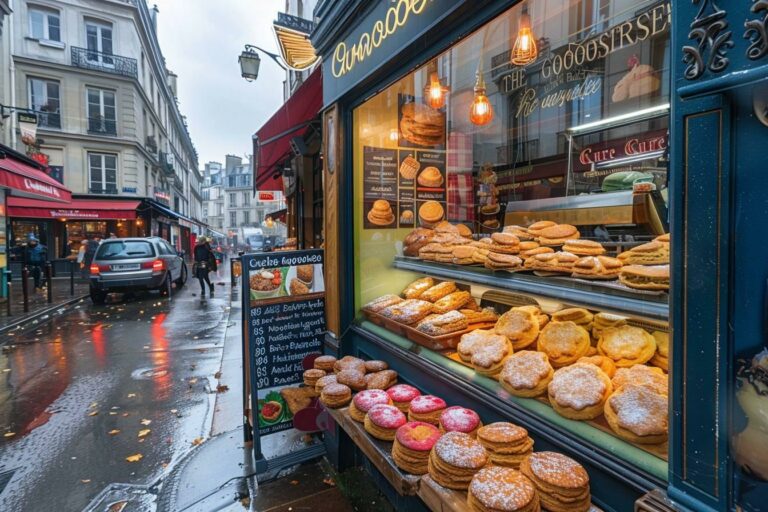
(130,264)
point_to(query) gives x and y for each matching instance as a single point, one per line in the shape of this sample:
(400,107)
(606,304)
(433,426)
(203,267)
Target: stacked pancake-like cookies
(381,213)
(460,419)
(642,277)
(365,400)
(562,483)
(500,489)
(506,443)
(455,459)
(382,421)
(422,125)
(412,445)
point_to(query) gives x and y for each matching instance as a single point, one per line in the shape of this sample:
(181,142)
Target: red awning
(25,181)
(274,138)
(78,209)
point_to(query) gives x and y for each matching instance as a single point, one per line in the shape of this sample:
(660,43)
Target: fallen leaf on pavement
(134,458)
(113,432)
(217,375)
(329,481)
(94,413)
(222,388)
(9,434)
(146,422)
(86,481)
(117,506)
(197,441)
(294,482)
(94,404)
(144,433)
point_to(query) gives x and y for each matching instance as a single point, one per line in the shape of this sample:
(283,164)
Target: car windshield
(125,250)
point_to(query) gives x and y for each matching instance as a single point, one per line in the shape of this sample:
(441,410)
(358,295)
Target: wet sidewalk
(39,306)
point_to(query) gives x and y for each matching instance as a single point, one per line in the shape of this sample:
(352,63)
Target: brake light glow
(94,269)
(158,266)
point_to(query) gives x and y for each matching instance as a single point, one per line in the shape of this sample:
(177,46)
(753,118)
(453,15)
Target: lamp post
(250,61)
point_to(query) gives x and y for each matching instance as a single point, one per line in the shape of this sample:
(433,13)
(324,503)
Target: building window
(101,112)
(98,38)
(246,218)
(44,100)
(232,200)
(233,219)
(44,24)
(246,199)
(102,170)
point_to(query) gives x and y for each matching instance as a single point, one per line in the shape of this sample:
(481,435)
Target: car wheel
(165,289)
(98,297)
(182,277)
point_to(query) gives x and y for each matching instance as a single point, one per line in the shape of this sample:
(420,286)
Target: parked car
(131,264)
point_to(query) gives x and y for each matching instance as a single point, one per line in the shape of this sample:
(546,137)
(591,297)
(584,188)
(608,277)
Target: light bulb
(435,92)
(524,50)
(481,110)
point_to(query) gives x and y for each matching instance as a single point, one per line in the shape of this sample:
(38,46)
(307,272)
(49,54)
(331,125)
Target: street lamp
(250,61)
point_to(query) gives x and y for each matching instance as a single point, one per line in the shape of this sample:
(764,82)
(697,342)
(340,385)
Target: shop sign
(294,23)
(652,142)
(130,190)
(28,128)
(163,196)
(74,214)
(284,315)
(266,196)
(41,188)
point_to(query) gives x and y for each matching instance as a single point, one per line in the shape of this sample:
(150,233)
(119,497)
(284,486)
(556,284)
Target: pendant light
(481,110)
(435,92)
(524,51)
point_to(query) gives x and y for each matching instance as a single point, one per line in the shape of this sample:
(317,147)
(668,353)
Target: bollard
(25,288)
(235,271)
(8,292)
(49,281)
(72,278)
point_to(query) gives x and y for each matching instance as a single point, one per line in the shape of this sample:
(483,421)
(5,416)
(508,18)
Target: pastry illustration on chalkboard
(430,177)
(639,81)
(430,213)
(380,213)
(409,167)
(422,125)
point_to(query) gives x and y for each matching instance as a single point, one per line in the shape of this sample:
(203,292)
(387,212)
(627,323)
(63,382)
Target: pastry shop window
(524,170)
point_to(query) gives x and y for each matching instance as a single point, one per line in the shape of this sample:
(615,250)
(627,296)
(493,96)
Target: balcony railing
(106,62)
(101,126)
(99,189)
(48,119)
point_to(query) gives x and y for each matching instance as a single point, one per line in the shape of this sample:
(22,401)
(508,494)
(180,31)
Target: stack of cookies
(365,400)
(652,253)
(661,357)
(603,321)
(460,419)
(641,277)
(563,343)
(500,489)
(380,213)
(422,125)
(597,267)
(401,396)
(426,408)
(580,316)
(335,396)
(584,247)
(506,443)
(312,376)
(520,325)
(562,483)
(455,459)
(551,234)
(382,421)
(412,445)
(555,262)
(526,374)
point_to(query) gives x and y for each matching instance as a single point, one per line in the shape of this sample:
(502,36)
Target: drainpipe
(12,69)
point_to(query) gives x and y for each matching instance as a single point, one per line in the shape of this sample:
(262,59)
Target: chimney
(153,15)
(173,82)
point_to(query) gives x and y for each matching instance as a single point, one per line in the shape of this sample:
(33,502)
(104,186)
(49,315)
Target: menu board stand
(283,317)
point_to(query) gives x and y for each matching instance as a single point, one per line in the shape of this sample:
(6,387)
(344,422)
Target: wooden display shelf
(378,452)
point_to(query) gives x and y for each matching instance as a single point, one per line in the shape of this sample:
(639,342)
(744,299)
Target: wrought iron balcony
(101,126)
(48,119)
(109,189)
(106,62)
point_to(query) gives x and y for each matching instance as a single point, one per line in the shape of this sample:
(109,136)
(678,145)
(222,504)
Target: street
(106,395)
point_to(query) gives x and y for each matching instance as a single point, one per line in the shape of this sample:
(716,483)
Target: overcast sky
(201,41)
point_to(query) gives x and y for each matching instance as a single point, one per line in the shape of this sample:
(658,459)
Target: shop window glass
(44,99)
(499,132)
(102,169)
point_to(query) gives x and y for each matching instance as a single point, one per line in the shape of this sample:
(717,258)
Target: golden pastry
(382,302)
(464,255)
(324,381)
(579,391)
(536,227)
(412,445)
(562,483)
(638,413)
(409,311)
(349,363)
(626,345)
(464,230)
(469,342)
(419,286)
(579,316)
(597,267)
(661,357)
(489,354)
(324,363)
(422,125)
(485,315)
(507,444)
(501,261)
(409,167)
(652,253)
(446,227)
(557,235)
(430,213)
(430,177)
(530,253)
(584,247)
(352,378)
(645,277)
(541,317)
(375,365)
(520,326)
(455,459)
(501,489)
(406,217)
(563,342)
(380,213)
(520,232)
(662,238)
(559,262)
(480,255)
(526,374)
(312,376)
(335,396)
(363,401)
(438,291)
(641,374)
(440,325)
(383,379)
(505,243)
(604,320)
(451,302)
(382,421)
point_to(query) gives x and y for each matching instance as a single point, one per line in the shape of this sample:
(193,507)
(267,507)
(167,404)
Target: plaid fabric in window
(461,197)
(459,157)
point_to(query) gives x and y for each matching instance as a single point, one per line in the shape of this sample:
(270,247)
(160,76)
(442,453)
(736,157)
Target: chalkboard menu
(284,317)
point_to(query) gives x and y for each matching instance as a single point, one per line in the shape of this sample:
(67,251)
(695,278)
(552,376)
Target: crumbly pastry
(626,345)
(584,247)
(641,374)
(324,381)
(541,317)
(500,489)
(579,391)
(521,326)
(535,228)
(560,262)
(401,396)
(579,316)
(363,401)
(505,239)
(489,354)
(471,305)
(375,365)
(597,267)
(352,378)
(381,380)
(604,363)
(335,396)
(604,320)
(430,177)
(563,342)
(464,230)
(480,255)
(382,302)
(380,213)
(312,376)
(484,315)
(419,286)
(438,291)
(652,253)
(530,253)
(417,235)
(325,363)
(491,224)
(645,277)
(382,421)
(506,443)
(455,459)
(414,248)
(440,325)
(426,408)
(661,357)
(562,483)
(501,261)
(520,232)
(422,125)
(662,238)
(460,419)
(638,413)
(469,342)
(409,311)
(409,167)
(464,255)
(451,302)
(349,363)
(441,252)
(526,374)
(412,444)
(430,213)
(557,235)
(446,227)
(298,398)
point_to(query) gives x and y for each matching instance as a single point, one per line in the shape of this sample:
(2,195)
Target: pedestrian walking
(35,255)
(91,246)
(202,266)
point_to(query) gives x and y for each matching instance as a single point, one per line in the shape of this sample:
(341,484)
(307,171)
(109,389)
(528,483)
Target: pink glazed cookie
(459,419)
(413,442)
(364,400)
(401,396)
(426,408)
(382,421)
